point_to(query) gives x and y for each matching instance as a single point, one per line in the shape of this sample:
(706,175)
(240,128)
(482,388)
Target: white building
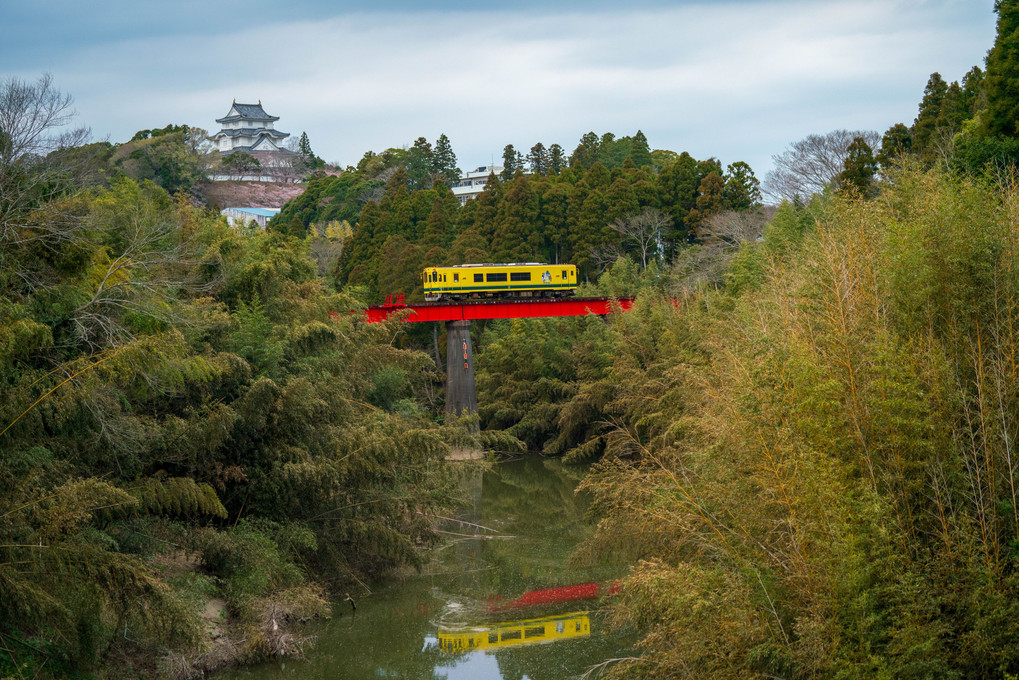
(241,216)
(473,183)
(248,128)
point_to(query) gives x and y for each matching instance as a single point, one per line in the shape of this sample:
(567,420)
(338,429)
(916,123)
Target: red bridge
(495,309)
(461,395)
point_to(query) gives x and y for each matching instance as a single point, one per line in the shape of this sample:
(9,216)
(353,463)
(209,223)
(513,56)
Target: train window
(511,635)
(456,278)
(534,631)
(560,627)
(493,638)
(497,276)
(564,273)
(520,276)
(479,278)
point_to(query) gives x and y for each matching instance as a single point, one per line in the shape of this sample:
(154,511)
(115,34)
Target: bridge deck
(497,309)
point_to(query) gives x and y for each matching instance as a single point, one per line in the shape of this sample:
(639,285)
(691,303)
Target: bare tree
(645,229)
(725,233)
(813,163)
(604,256)
(31,117)
(33,123)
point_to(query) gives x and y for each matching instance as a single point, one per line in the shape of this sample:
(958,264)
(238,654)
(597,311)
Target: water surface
(509,605)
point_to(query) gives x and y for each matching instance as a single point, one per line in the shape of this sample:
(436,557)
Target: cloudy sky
(737,80)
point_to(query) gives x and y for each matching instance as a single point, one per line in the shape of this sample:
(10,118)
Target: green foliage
(858,169)
(816,467)
(176,387)
(555,214)
(1001,81)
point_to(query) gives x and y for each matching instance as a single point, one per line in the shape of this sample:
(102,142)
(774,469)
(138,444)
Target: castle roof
(251,150)
(246,112)
(251,132)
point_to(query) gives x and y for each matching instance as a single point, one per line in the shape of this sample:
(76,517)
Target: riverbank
(468,613)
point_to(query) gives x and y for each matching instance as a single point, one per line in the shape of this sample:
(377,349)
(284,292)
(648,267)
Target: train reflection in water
(513,633)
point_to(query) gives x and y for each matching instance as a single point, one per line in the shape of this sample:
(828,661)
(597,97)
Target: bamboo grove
(188,413)
(813,469)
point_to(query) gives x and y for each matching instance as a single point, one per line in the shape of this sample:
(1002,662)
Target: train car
(514,633)
(523,279)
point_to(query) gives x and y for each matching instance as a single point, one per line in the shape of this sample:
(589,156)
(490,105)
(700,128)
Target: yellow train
(525,279)
(513,633)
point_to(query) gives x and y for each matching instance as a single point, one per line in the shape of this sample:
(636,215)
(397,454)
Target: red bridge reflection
(535,598)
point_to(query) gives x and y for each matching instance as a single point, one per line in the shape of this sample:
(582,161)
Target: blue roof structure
(262,212)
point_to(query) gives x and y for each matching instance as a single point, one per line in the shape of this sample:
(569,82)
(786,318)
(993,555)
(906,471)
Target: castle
(248,128)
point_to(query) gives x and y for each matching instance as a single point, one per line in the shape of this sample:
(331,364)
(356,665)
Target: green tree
(710,201)
(640,152)
(974,96)
(586,153)
(859,168)
(556,159)
(896,143)
(677,189)
(742,189)
(444,161)
(1001,81)
(509,162)
(925,125)
(538,159)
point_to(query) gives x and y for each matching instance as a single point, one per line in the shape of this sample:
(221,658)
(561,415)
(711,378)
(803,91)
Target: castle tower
(248,128)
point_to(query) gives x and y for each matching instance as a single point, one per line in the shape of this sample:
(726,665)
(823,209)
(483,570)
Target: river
(509,605)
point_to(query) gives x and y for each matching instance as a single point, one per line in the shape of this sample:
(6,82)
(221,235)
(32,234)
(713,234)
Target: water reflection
(513,580)
(512,633)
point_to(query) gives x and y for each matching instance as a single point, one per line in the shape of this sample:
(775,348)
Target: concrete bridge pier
(461,395)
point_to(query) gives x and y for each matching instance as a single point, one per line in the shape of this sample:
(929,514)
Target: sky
(734,80)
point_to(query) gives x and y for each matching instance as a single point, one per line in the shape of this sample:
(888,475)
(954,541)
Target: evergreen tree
(974,97)
(677,191)
(586,153)
(554,214)
(930,108)
(517,233)
(556,159)
(418,164)
(612,152)
(710,201)
(304,146)
(538,159)
(444,162)
(895,144)
(640,152)
(859,168)
(509,162)
(954,112)
(1001,81)
(742,189)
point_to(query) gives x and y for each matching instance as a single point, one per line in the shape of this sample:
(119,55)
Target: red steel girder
(497,309)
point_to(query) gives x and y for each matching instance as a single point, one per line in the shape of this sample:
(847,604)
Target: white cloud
(737,81)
